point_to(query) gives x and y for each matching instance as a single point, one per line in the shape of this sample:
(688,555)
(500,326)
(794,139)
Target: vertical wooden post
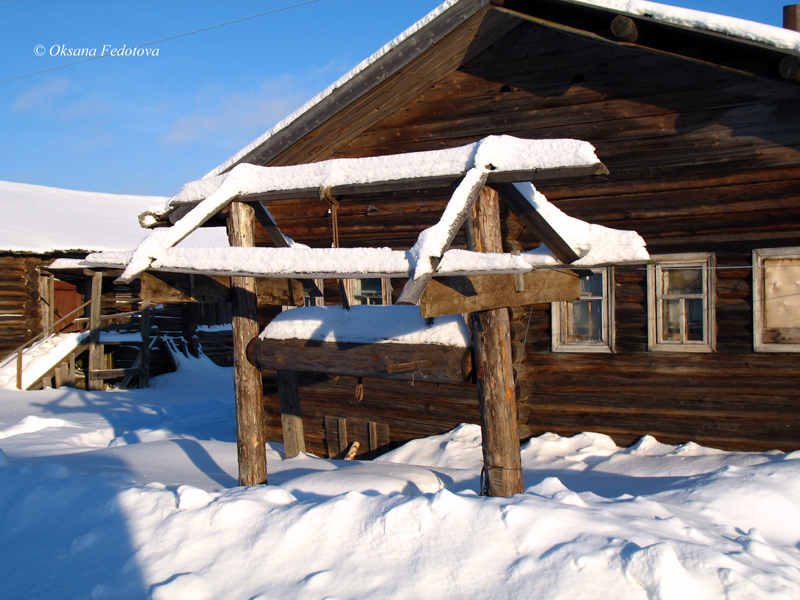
(294,440)
(95,347)
(19,369)
(491,334)
(144,362)
(71,378)
(250,438)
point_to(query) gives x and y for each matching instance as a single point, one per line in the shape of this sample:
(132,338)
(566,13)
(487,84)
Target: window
(369,291)
(680,307)
(586,324)
(309,300)
(776,300)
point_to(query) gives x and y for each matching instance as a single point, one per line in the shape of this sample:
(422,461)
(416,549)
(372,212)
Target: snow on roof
(335,85)
(750,31)
(738,29)
(368,325)
(44,220)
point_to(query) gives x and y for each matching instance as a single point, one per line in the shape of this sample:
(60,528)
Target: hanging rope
(325,194)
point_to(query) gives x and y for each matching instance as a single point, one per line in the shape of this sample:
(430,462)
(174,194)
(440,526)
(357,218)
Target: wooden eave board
(455,295)
(701,37)
(385,85)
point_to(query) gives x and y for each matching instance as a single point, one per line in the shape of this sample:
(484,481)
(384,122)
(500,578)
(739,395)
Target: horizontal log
(162,287)
(447,363)
(456,295)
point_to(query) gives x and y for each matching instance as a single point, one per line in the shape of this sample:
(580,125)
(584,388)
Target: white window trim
(654,306)
(558,312)
(758,298)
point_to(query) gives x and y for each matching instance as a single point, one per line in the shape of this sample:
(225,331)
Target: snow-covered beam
(301,263)
(505,154)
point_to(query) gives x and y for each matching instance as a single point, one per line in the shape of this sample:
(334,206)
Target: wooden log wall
(701,159)
(20,313)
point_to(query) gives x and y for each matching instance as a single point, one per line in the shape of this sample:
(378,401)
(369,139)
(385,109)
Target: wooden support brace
(536,223)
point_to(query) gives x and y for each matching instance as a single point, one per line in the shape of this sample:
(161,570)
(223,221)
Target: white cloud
(42,97)
(233,119)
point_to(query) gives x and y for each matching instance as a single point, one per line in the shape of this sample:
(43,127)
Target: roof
(455,15)
(46,220)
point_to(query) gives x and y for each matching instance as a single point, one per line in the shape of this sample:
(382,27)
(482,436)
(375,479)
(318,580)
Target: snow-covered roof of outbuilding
(453,13)
(46,220)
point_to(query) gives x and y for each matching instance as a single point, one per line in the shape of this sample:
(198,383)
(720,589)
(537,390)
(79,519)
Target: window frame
(759,300)
(386,291)
(560,321)
(655,312)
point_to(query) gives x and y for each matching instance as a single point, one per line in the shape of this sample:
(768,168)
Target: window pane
(694,319)
(585,321)
(368,291)
(683,281)
(672,320)
(592,285)
(782,293)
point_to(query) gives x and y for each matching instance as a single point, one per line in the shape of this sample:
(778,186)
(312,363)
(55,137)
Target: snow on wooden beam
(494,153)
(322,263)
(391,342)
(534,219)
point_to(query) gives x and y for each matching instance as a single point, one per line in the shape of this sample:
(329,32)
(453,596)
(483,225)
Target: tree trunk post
(95,347)
(250,438)
(491,336)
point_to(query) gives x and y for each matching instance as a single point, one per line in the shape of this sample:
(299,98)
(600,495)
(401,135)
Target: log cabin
(44,226)
(696,118)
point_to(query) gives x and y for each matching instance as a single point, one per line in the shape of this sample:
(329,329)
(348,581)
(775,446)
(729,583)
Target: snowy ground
(130,495)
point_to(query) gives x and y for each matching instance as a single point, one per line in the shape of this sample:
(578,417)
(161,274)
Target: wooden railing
(95,322)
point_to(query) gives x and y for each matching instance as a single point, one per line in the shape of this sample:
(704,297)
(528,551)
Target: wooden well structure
(440,281)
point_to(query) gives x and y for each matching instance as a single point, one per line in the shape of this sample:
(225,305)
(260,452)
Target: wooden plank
(495,377)
(445,364)
(102,374)
(291,415)
(456,295)
(162,288)
(247,378)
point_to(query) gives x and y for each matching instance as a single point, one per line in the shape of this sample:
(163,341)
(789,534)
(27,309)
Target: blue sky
(148,124)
